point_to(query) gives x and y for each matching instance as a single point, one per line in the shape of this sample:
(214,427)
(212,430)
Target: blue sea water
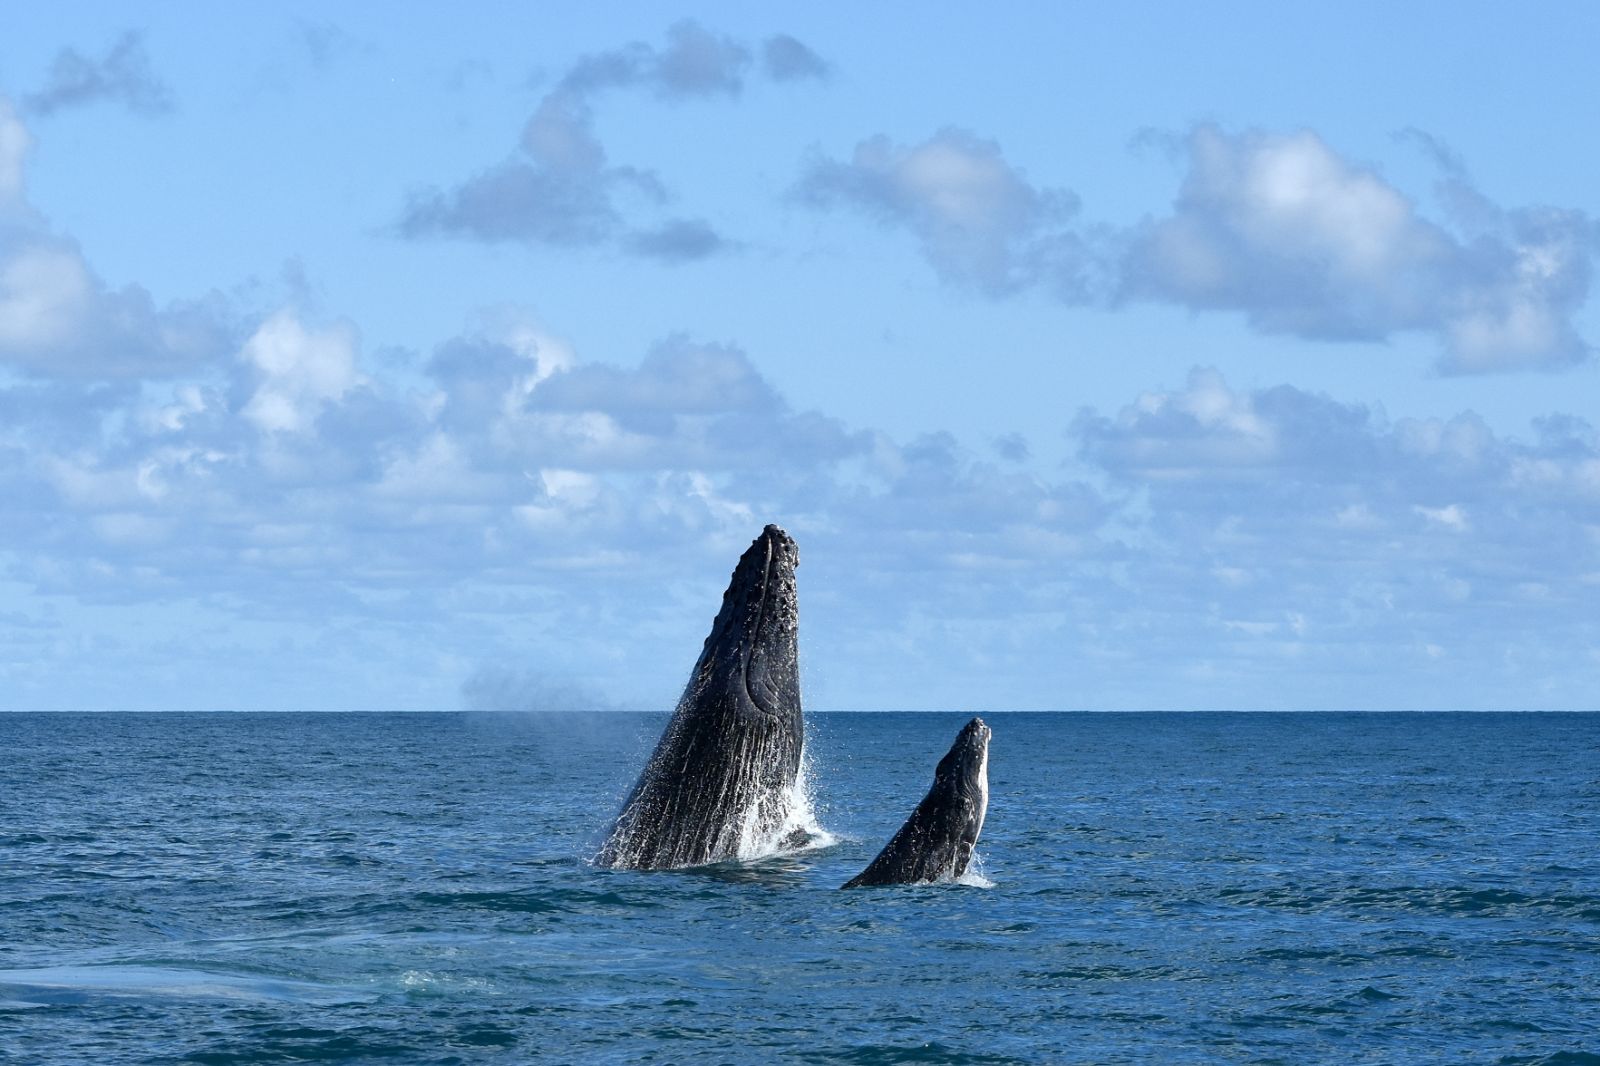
(1265,888)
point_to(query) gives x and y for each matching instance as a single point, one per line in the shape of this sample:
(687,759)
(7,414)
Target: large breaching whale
(724,781)
(937,840)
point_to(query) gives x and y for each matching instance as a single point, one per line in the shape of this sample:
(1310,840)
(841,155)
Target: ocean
(1156,888)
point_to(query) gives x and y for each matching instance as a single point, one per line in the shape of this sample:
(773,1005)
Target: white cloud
(1366,535)
(1450,517)
(694,62)
(676,376)
(1278,227)
(1357,516)
(44,293)
(1196,432)
(439,469)
(559,135)
(559,189)
(1304,242)
(1284,479)
(511,495)
(59,320)
(125,529)
(298,371)
(678,240)
(15,143)
(1234,528)
(979,221)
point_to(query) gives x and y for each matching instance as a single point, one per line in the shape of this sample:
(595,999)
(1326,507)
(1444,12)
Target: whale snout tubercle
(778,540)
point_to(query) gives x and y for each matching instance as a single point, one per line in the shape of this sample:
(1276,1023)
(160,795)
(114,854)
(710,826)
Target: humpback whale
(936,842)
(724,780)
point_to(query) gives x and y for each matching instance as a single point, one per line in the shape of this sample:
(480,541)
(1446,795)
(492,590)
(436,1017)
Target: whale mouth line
(760,696)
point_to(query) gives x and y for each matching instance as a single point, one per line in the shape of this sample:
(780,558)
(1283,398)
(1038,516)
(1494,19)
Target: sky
(1105,357)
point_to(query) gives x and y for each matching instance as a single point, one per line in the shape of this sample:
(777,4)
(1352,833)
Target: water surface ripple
(1173,888)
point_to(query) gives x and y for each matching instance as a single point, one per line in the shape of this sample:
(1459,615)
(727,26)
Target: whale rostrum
(937,840)
(724,781)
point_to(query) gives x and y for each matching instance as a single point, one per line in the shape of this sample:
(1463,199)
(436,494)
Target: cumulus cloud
(510,480)
(298,371)
(1418,553)
(123,75)
(694,62)
(1012,447)
(58,318)
(514,502)
(559,192)
(979,221)
(1330,536)
(677,376)
(1303,242)
(958,507)
(687,407)
(558,189)
(308,493)
(697,62)
(511,501)
(1278,227)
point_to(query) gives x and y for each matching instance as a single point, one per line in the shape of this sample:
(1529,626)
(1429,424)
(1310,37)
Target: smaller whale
(937,840)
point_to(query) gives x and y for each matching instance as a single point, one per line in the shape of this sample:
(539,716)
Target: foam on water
(430,981)
(51,984)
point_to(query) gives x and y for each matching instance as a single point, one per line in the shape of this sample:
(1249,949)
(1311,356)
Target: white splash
(973,877)
(794,830)
(434,981)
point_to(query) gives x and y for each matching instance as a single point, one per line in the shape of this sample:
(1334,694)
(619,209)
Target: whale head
(963,773)
(753,649)
(961,783)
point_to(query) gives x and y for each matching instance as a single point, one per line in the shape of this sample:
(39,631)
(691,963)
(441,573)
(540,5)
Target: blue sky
(1096,358)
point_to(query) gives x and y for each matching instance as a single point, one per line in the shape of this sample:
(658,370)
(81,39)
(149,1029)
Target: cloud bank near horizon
(514,495)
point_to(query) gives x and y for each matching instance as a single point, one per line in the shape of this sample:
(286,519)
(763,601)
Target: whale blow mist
(725,779)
